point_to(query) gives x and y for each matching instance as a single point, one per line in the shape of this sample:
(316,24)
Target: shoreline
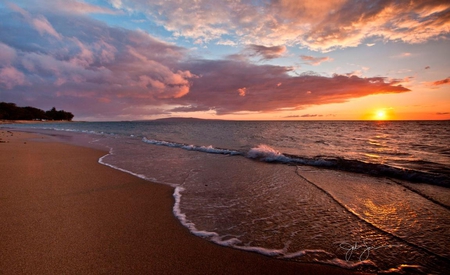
(63,212)
(6,122)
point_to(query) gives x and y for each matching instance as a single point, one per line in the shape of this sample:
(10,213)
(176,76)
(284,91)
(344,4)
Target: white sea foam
(235,242)
(100,160)
(267,153)
(304,252)
(206,149)
(212,236)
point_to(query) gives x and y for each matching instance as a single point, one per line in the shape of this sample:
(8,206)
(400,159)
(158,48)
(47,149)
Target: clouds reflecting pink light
(62,56)
(319,25)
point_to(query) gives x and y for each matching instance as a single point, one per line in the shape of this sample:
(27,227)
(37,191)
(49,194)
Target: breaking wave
(266,153)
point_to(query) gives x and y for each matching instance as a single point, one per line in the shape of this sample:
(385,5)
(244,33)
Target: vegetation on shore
(10,111)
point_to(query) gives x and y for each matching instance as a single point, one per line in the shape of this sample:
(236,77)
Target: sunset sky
(235,59)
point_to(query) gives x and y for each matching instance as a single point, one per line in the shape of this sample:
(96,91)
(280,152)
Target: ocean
(366,195)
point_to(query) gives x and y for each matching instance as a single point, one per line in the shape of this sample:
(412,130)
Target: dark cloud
(265,52)
(271,88)
(311,115)
(303,116)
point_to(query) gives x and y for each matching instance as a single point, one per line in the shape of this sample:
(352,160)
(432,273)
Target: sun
(381,114)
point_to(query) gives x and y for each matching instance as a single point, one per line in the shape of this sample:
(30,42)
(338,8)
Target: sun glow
(381,114)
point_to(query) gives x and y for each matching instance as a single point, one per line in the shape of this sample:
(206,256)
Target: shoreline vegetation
(63,212)
(12,112)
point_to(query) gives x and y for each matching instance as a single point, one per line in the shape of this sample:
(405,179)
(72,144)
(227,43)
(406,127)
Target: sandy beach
(64,213)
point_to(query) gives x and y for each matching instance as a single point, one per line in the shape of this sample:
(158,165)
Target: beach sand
(64,213)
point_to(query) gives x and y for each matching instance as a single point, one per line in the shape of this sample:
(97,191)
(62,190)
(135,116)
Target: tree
(10,111)
(59,115)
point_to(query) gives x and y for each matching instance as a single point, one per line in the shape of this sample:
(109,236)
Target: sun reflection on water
(390,216)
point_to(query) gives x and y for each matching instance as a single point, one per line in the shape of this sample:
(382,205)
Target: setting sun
(381,115)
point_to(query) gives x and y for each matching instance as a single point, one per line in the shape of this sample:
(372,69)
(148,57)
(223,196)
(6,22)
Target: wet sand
(64,213)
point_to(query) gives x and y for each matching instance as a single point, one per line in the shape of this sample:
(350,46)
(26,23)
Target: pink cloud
(11,77)
(101,71)
(311,60)
(441,82)
(414,22)
(7,54)
(85,57)
(242,91)
(39,22)
(43,26)
(73,6)
(318,25)
(97,69)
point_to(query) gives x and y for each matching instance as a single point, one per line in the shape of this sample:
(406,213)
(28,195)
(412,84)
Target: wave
(205,149)
(268,154)
(318,255)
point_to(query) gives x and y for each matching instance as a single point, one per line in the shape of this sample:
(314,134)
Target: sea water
(371,196)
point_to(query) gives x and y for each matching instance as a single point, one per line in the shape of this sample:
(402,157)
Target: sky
(107,60)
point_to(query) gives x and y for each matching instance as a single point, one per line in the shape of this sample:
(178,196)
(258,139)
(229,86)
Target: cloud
(39,22)
(11,77)
(441,82)
(402,55)
(354,21)
(311,115)
(220,79)
(442,113)
(98,71)
(92,65)
(116,3)
(242,91)
(320,26)
(227,42)
(314,60)
(73,6)
(43,26)
(265,52)
(7,54)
